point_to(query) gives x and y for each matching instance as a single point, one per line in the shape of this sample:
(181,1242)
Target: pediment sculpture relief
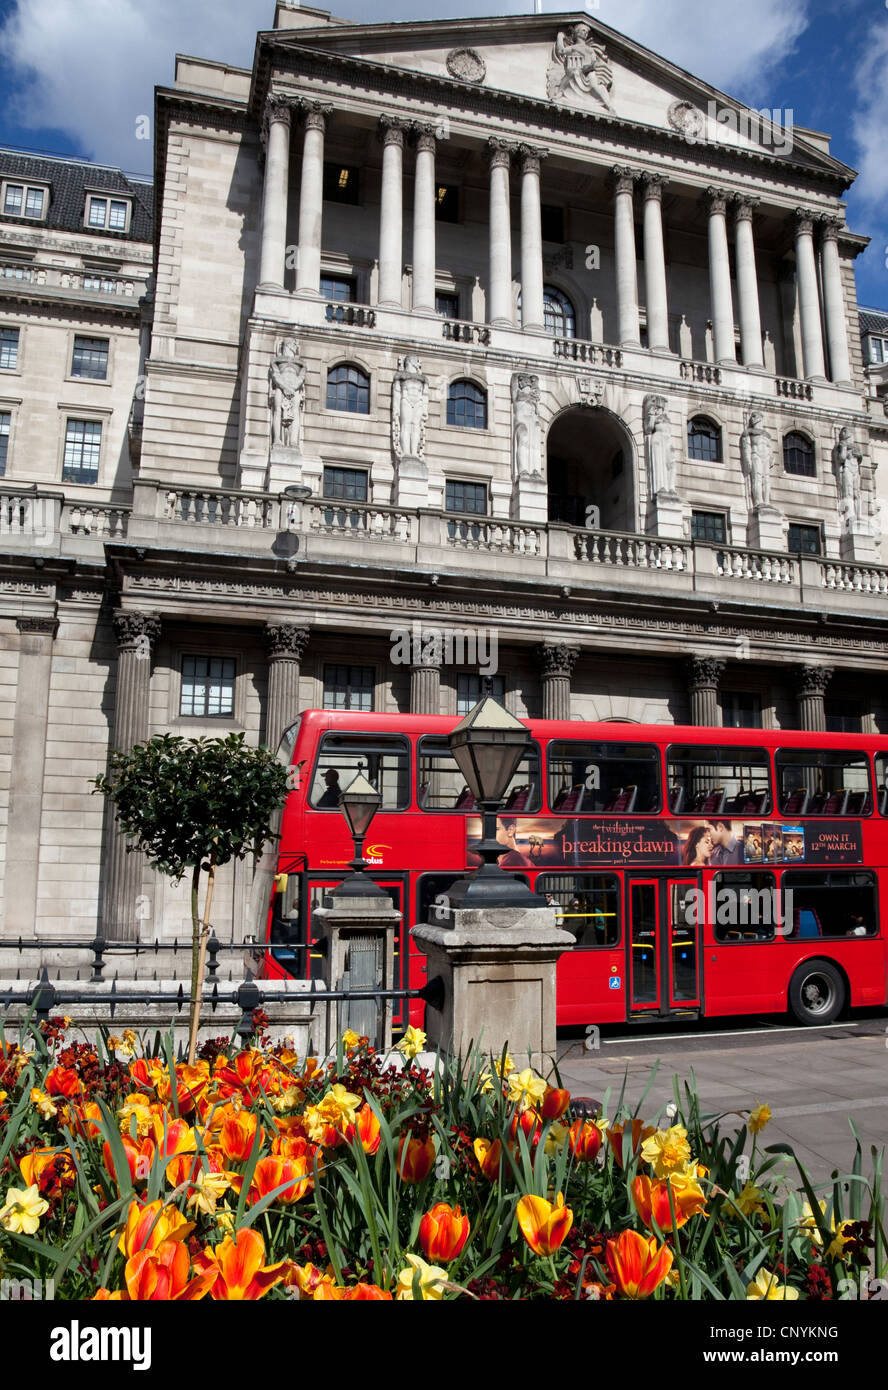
(579,72)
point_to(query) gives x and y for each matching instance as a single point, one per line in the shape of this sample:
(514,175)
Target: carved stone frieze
(45,625)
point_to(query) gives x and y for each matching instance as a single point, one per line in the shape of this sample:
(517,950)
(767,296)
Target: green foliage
(177,799)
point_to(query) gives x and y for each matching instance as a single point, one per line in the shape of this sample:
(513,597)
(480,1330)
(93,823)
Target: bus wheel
(816,992)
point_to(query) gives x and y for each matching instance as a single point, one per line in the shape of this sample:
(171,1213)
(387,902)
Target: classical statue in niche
(286,395)
(847,461)
(579,70)
(756,460)
(526,433)
(410,408)
(658,446)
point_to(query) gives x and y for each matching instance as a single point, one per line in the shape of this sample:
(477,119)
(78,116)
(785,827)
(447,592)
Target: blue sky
(77,74)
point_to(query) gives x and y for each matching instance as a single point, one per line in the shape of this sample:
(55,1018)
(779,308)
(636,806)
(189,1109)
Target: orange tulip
(85,1119)
(443,1232)
(555,1102)
(489,1156)
(640,1132)
(636,1263)
(416,1158)
(584,1141)
(239,1271)
(38,1168)
(528,1121)
(306,1278)
(238,1134)
(63,1081)
(270,1173)
(366,1129)
(150,1225)
(162,1274)
(366,1293)
(543,1225)
(652,1201)
(138,1156)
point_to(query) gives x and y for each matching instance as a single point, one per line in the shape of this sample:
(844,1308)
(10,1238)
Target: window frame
(348,666)
(812,526)
(711,516)
(331,468)
(27,186)
(350,282)
(72,418)
(731,878)
(6,434)
(362,736)
(811,446)
(85,377)
(751,695)
(568,312)
(453,400)
(573,875)
(473,676)
(16,369)
(327,180)
(348,366)
(207,657)
(534,809)
(861,753)
(466,483)
(103,195)
(830,872)
(553,757)
(713,431)
(733,758)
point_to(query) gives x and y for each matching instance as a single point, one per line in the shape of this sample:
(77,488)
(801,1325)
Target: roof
(69,180)
(874,320)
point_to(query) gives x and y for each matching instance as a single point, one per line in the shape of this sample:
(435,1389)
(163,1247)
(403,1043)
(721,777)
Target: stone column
(532,307)
(499,307)
(286,646)
(391,213)
(425,685)
(834,304)
(628,331)
(136,634)
(720,278)
(704,674)
(26,785)
(809,298)
(424,222)
(557,664)
(811,683)
(655,264)
(276,136)
(311,202)
(747,285)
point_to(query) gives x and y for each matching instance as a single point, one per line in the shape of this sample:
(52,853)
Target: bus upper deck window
(384,760)
(442,787)
(823,782)
(619,779)
(713,780)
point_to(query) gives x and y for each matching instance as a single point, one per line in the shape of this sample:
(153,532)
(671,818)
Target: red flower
(555,1102)
(443,1233)
(584,1141)
(415,1158)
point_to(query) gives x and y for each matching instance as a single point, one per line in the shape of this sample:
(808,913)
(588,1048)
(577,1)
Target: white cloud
(868,122)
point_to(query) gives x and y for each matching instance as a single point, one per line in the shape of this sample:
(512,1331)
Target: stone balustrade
(704,373)
(488,533)
(629,551)
(765,568)
(210,507)
(855,579)
(61,278)
(368,522)
(581,350)
(793,389)
(94,519)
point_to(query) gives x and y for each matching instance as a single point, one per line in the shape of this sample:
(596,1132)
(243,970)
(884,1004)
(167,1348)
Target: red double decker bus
(698,871)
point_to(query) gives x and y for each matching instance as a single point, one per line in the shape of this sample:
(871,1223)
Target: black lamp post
(359,804)
(488,745)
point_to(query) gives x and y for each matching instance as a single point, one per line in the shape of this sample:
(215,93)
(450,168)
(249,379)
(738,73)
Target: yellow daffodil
(432,1279)
(20,1061)
(667,1151)
(412,1043)
(808,1224)
(287,1100)
(336,1110)
(747,1203)
(350,1039)
(556,1139)
(526,1088)
(3,1095)
(836,1248)
(135,1106)
(208,1188)
(22,1210)
(225,1218)
(766,1287)
(758,1118)
(43,1102)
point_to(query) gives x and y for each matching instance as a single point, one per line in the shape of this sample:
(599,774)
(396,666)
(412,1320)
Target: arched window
(348,388)
(559,316)
(798,456)
(704,440)
(467,405)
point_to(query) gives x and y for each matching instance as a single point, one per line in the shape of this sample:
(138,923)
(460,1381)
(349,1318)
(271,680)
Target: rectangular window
(340,289)
(207,686)
(341,183)
(83,445)
(469,689)
(830,782)
(844,717)
(586,905)
(14,200)
(90,358)
(383,760)
(447,305)
(707,781)
(24,200)
(882,783)
(711,527)
(593,779)
(442,786)
(831,905)
(446,203)
(878,349)
(552,219)
(34,202)
(117,215)
(5,427)
(466,497)
(348,687)
(746,906)
(345,484)
(741,709)
(17,272)
(98,211)
(9,349)
(804,540)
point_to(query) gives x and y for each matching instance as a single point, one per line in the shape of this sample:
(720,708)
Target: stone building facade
(503,330)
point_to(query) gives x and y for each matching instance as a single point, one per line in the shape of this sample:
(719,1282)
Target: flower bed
(258,1174)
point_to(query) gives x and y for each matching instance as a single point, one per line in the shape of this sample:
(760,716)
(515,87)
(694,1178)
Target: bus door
(319,895)
(663,939)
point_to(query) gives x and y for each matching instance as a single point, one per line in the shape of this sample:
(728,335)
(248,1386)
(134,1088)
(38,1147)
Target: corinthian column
(286,645)
(499,309)
(655,264)
(624,254)
(424,222)
(532,307)
(557,664)
(704,674)
(136,634)
(311,202)
(747,285)
(809,298)
(425,684)
(811,683)
(834,304)
(720,278)
(276,134)
(391,213)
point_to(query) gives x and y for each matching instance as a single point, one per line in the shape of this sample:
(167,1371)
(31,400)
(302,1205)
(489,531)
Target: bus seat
(465,801)
(570,801)
(518,798)
(714,802)
(816,804)
(676,800)
(614,801)
(624,801)
(797,804)
(808,923)
(836,804)
(858,804)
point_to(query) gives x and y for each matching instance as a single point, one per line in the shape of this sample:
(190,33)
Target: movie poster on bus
(595,842)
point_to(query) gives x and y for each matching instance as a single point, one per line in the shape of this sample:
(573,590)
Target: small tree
(194,804)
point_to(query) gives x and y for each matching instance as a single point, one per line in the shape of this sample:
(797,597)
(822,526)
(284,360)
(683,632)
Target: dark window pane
(603,778)
(586,905)
(5,426)
(83,443)
(207,686)
(704,440)
(831,905)
(746,906)
(34,202)
(348,388)
(15,199)
(339,288)
(844,717)
(552,219)
(559,317)
(442,786)
(466,497)
(345,484)
(98,210)
(447,203)
(798,456)
(348,687)
(709,526)
(469,690)
(467,406)
(341,183)
(710,781)
(741,709)
(117,215)
(823,783)
(447,305)
(9,346)
(804,540)
(90,358)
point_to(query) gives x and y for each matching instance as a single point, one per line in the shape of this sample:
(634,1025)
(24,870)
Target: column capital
(424,135)
(392,130)
(624,178)
(286,641)
(315,114)
(744,207)
(531,158)
(500,152)
(277,110)
(40,626)
(716,200)
(557,659)
(830,226)
(135,632)
(803,221)
(704,671)
(813,680)
(654,185)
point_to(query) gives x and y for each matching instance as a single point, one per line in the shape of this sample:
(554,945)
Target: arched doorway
(589,457)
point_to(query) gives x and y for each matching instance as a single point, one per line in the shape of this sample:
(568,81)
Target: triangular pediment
(571,62)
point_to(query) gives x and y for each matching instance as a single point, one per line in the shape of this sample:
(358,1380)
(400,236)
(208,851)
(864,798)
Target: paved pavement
(814,1079)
